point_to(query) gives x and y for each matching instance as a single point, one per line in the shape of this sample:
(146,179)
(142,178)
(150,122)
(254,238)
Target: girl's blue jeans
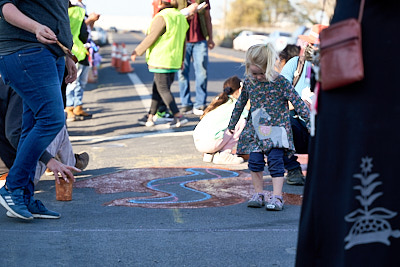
(36,75)
(277,162)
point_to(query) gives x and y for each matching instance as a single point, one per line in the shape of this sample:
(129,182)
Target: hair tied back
(228,90)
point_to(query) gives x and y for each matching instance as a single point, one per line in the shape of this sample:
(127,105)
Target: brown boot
(4,176)
(70,113)
(78,111)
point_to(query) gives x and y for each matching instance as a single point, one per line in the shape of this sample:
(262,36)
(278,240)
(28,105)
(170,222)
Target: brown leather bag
(341,60)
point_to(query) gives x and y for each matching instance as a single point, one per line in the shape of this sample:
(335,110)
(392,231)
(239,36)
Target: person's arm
(61,170)
(72,71)
(299,105)
(158,28)
(289,69)
(15,17)
(210,40)
(239,106)
(92,18)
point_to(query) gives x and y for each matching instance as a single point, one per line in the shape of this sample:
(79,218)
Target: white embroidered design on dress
(370,225)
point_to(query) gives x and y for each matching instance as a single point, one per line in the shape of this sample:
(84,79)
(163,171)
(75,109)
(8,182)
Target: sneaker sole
(273,208)
(295,182)
(35,216)
(5,205)
(254,205)
(182,122)
(163,120)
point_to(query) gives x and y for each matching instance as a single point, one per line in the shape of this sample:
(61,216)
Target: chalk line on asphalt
(155,230)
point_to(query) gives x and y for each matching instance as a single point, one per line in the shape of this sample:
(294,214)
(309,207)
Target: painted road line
(100,138)
(137,36)
(183,230)
(141,89)
(232,58)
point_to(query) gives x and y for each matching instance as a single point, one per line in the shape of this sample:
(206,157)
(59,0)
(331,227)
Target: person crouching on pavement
(211,135)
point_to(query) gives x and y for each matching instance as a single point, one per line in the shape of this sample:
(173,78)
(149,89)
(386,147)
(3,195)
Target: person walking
(80,33)
(32,62)
(269,130)
(199,39)
(164,47)
(350,214)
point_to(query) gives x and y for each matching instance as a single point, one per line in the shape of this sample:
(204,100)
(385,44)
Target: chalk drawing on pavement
(178,187)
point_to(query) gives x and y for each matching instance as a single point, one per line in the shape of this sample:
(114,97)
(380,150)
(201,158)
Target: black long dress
(351,208)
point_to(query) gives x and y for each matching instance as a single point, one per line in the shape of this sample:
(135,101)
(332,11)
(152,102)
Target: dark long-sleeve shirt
(53,14)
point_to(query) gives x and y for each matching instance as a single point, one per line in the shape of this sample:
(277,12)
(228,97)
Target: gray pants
(61,148)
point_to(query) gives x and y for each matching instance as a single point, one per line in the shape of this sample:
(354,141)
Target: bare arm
(210,40)
(15,17)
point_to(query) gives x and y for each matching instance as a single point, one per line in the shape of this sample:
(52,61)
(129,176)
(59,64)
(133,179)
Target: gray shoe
(82,160)
(256,201)
(295,177)
(187,110)
(275,203)
(199,110)
(178,122)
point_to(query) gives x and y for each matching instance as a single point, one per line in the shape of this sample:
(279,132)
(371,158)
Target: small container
(64,190)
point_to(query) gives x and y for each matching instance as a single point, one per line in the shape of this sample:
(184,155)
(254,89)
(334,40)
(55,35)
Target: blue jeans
(74,91)
(199,52)
(277,162)
(35,74)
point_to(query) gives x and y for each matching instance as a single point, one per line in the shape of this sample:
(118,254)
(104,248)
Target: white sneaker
(226,157)
(208,157)
(198,111)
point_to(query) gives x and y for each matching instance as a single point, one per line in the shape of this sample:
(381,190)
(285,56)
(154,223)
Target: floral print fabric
(269,124)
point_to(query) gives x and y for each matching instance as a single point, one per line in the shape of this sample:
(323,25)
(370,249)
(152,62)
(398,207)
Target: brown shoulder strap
(299,70)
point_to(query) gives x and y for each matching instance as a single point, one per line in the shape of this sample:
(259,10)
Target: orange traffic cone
(117,58)
(114,54)
(125,63)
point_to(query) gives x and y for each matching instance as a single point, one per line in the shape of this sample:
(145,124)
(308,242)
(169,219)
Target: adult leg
(10,123)
(295,174)
(183,77)
(75,89)
(163,83)
(35,74)
(200,63)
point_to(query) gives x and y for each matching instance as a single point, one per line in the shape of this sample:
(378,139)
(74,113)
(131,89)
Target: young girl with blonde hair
(268,131)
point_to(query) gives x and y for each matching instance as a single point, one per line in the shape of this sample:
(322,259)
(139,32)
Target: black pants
(301,136)
(162,93)
(10,123)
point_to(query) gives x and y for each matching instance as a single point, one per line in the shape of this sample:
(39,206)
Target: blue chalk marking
(174,185)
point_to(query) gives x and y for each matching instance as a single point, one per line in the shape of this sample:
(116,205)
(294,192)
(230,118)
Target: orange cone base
(125,67)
